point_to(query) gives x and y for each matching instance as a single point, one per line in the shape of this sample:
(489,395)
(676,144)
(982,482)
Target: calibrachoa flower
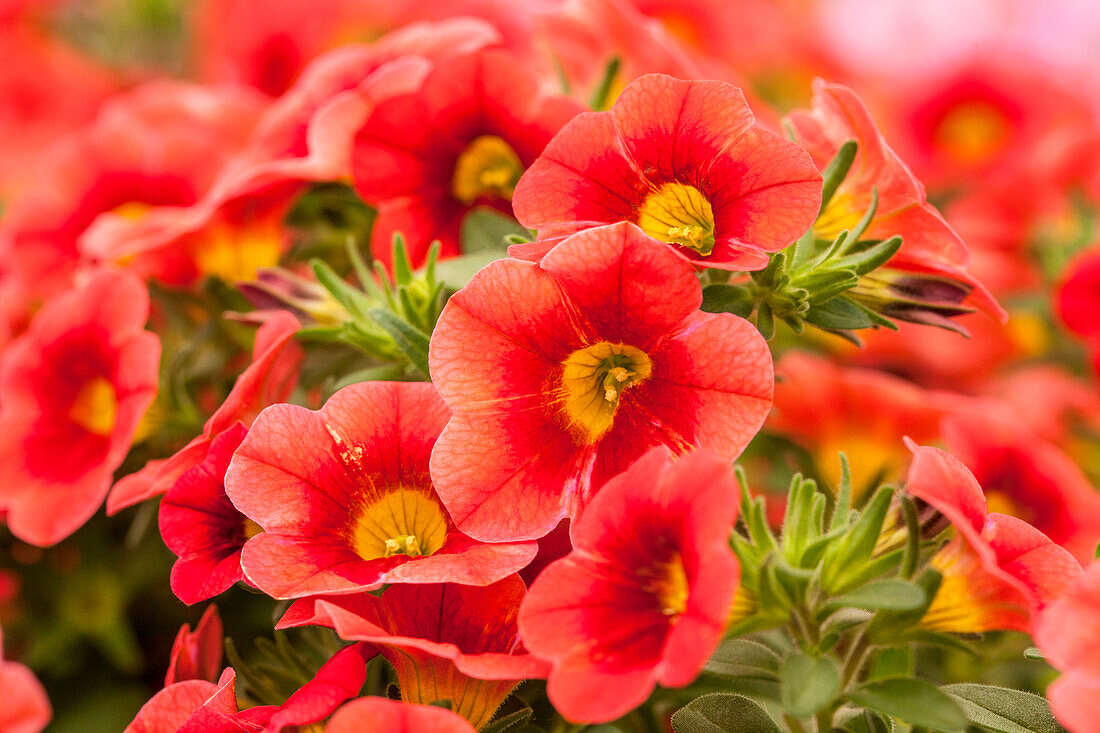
(306,135)
(1078,295)
(345,500)
(562,373)
(197,655)
(929,244)
(26,708)
(73,389)
(445,641)
(644,596)
(170,710)
(202,527)
(1068,633)
(378,713)
(998,571)
(1027,477)
(686,162)
(270,378)
(461,140)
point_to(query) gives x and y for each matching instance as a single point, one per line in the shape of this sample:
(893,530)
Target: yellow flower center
(968,601)
(489,168)
(678,214)
(235,253)
(667,582)
(402,522)
(95,407)
(972,131)
(842,213)
(872,458)
(251,529)
(593,379)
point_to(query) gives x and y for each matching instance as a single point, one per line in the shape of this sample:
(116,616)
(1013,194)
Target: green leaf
(875,256)
(721,712)
(837,171)
(838,314)
(807,684)
(890,593)
(864,721)
(602,94)
(1004,710)
(456,272)
(508,722)
(726,298)
(486,229)
(412,341)
(898,661)
(744,658)
(912,701)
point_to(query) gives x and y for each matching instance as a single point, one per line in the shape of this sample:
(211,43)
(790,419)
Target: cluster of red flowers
(483,465)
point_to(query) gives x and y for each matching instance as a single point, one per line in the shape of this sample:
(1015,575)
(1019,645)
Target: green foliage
(1003,710)
(912,701)
(723,713)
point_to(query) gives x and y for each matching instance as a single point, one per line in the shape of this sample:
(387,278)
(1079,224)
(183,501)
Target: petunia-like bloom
(1027,477)
(562,373)
(197,655)
(345,500)
(203,528)
(461,140)
(169,710)
(270,378)
(644,596)
(26,708)
(998,571)
(392,716)
(684,160)
(445,641)
(929,244)
(304,136)
(1068,633)
(73,390)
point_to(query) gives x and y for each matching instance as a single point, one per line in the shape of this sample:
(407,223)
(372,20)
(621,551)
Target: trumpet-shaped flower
(345,501)
(73,390)
(644,596)
(684,160)
(562,373)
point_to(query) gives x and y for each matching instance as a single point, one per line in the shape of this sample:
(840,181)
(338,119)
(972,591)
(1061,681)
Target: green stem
(793,723)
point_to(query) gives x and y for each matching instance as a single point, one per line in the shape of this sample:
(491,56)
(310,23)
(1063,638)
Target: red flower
(197,655)
(865,413)
(1068,633)
(203,528)
(461,140)
(26,708)
(644,596)
(160,144)
(998,571)
(446,641)
(73,389)
(304,136)
(269,379)
(170,710)
(378,713)
(345,500)
(561,374)
(929,244)
(686,162)
(1027,477)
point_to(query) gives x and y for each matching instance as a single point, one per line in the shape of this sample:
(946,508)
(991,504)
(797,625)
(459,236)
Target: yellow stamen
(95,406)
(679,214)
(487,168)
(235,253)
(593,380)
(668,583)
(402,522)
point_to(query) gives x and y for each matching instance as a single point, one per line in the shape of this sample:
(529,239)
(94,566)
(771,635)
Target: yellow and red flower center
(871,458)
(668,584)
(95,406)
(842,213)
(972,131)
(235,253)
(487,168)
(592,381)
(402,522)
(678,214)
(968,600)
